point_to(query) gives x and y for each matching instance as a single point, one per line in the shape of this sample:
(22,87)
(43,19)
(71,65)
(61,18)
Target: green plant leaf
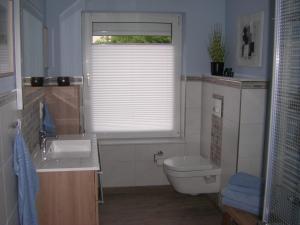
(216,46)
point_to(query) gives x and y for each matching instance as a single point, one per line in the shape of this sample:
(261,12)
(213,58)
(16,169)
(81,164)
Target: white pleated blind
(4,59)
(132,88)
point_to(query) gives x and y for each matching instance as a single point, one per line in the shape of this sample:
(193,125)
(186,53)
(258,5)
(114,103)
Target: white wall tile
(192,148)
(148,173)
(117,152)
(11,190)
(229,143)
(2,200)
(145,152)
(8,118)
(1,148)
(126,165)
(254,104)
(193,94)
(14,218)
(205,149)
(118,164)
(231,110)
(229,150)
(207,98)
(193,138)
(205,134)
(8,182)
(193,121)
(250,165)
(251,142)
(118,174)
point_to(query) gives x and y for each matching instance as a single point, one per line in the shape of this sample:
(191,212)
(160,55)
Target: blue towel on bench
(246,180)
(250,200)
(245,190)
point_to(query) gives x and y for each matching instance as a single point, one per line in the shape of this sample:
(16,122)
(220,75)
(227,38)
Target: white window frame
(176,20)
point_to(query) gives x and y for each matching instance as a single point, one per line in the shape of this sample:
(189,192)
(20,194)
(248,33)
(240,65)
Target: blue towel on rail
(245,190)
(251,200)
(241,205)
(27,182)
(246,180)
(48,123)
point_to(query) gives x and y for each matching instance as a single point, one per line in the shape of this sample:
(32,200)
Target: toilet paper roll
(159,162)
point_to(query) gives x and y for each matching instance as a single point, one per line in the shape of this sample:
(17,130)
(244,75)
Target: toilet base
(196,185)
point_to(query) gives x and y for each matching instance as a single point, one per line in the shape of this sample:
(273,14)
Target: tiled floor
(157,206)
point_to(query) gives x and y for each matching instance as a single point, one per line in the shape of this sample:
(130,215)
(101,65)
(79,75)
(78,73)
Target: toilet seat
(188,163)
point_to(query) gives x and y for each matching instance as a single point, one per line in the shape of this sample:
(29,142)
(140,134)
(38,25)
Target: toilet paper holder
(157,155)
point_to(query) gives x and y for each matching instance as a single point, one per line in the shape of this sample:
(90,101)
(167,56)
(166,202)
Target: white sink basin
(69,149)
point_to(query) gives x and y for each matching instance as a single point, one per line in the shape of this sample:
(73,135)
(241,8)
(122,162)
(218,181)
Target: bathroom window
(132,71)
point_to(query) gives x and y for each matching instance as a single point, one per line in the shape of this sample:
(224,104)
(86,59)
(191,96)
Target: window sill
(141,141)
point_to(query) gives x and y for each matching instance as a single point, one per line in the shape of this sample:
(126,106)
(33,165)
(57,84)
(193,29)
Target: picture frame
(250,40)
(6,38)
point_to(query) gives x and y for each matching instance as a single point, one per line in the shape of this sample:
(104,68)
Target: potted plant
(216,50)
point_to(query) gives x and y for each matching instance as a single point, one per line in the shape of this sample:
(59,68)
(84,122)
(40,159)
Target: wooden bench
(235,216)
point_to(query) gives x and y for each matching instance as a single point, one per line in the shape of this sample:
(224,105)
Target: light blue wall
(7,84)
(236,8)
(37,7)
(33,19)
(63,20)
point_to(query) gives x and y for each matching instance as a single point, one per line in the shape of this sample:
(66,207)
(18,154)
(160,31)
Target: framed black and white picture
(249,40)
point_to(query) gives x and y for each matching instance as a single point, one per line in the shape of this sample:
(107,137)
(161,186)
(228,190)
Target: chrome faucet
(43,140)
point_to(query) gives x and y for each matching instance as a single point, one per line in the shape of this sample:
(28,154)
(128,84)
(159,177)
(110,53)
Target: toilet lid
(188,163)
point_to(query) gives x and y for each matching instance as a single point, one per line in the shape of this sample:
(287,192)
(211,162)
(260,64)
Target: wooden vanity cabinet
(68,198)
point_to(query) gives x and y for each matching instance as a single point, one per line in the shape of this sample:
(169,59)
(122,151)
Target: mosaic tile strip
(216,136)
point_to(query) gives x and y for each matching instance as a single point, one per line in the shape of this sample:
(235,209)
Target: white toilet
(192,175)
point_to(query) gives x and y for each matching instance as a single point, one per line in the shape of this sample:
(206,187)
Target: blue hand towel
(241,205)
(27,182)
(48,123)
(251,200)
(246,180)
(245,190)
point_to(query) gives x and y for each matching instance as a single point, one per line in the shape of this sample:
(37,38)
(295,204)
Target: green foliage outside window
(132,39)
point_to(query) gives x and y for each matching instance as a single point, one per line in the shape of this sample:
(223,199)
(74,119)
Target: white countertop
(68,164)
(238,77)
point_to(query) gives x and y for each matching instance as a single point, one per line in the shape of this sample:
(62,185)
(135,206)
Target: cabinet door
(96,175)
(67,198)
